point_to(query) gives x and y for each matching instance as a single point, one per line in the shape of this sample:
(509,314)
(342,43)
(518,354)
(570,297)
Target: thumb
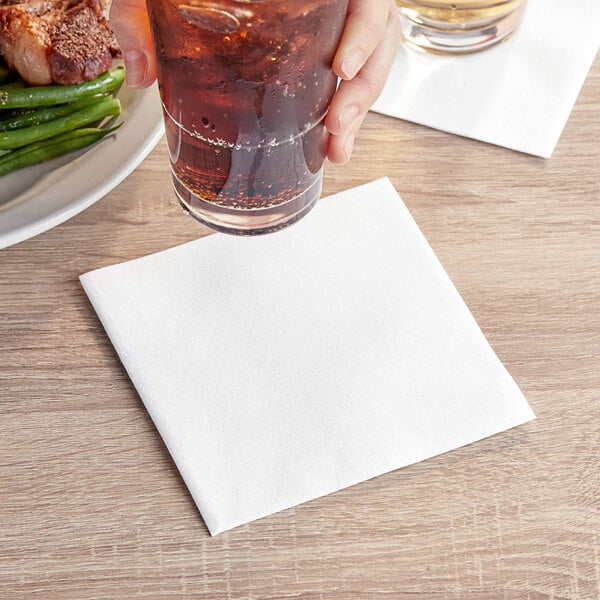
(129,20)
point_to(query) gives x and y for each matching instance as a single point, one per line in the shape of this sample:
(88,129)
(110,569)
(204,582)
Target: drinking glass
(245,86)
(459,26)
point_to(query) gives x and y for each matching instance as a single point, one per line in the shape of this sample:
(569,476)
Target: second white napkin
(518,94)
(283,368)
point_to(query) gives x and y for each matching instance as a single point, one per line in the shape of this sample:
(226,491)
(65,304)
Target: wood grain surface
(91,505)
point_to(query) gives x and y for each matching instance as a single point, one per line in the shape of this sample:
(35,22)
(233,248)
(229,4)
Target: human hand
(131,24)
(363,60)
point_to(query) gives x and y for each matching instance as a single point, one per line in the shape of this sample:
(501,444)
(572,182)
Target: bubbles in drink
(245,86)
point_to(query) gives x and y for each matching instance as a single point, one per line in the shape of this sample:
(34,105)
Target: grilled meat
(56,41)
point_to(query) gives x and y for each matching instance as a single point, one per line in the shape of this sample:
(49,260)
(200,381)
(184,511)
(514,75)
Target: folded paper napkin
(518,94)
(282,368)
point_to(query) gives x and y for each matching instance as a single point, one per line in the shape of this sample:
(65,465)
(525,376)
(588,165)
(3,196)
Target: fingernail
(352,63)
(136,65)
(348,114)
(349,146)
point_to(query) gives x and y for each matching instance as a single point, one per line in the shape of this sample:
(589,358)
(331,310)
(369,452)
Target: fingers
(355,96)
(340,146)
(366,22)
(129,20)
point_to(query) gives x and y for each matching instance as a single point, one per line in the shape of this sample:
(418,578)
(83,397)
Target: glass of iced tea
(245,86)
(459,26)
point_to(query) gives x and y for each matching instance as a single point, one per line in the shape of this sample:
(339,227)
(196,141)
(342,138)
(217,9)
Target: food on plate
(58,94)
(51,148)
(57,81)
(56,41)
(38,123)
(94,113)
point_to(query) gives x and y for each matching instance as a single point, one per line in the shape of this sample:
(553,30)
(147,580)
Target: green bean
(45,114)
(86,116)
(59,94)
(51,148)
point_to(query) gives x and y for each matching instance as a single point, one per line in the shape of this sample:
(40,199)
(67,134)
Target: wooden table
(91,505)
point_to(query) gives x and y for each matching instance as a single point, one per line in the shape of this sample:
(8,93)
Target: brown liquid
(245,86)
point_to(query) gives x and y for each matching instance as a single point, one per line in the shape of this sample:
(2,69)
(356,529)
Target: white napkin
(282,368)
(518,94)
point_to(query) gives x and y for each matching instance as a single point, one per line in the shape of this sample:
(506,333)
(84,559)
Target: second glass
(459,26)
(245,86)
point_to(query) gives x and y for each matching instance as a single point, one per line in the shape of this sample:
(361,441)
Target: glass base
(239,221)
(452,38)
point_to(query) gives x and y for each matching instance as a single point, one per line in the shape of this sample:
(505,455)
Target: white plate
(37,198)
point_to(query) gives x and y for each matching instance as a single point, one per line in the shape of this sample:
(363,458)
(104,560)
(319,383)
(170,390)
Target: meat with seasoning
(56,41)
